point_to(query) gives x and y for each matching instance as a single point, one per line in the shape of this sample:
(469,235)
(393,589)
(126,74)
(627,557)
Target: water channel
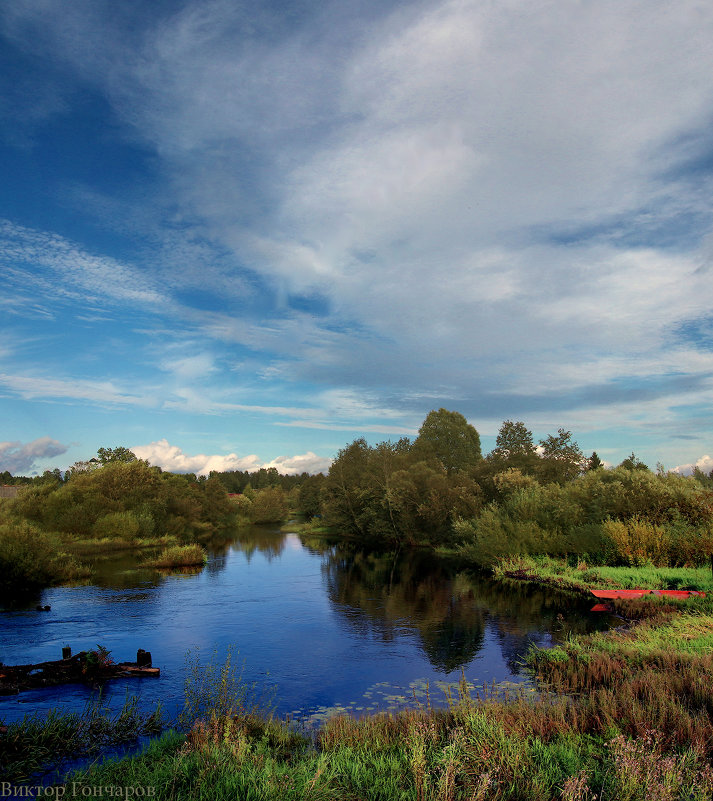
(329,626)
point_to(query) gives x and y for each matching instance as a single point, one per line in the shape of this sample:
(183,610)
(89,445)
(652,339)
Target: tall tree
(119,454)
(451,439)
(594,462)
(633,462)
(514,448)
(562,460)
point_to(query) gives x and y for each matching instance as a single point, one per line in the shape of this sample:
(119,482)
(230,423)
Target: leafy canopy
(451,439)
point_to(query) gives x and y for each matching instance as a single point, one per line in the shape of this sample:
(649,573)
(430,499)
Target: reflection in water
(385,593)
(264,540)
(329,623)
(409,589)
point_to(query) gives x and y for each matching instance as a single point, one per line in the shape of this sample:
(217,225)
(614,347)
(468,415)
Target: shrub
(29,559)
(269,506)
(117,525)
(638,542)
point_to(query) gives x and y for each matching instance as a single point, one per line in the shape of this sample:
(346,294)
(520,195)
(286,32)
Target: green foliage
(119,454)
(514,449)
(269,505)
(390,494)
(594,462)
(309,496)
(180,556)
(451,439)
(125,499)
(632,462)
(117,525)
(30,558)
(562,459)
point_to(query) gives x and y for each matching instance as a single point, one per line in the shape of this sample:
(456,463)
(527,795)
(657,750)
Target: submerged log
(76,669)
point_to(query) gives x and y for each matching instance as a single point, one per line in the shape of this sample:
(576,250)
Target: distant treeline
(437,490)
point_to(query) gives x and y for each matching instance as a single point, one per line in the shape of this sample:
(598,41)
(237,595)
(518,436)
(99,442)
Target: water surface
(328,625)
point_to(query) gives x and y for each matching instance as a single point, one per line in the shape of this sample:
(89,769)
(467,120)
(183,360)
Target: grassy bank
(622,716)
(477,749)
(582,577)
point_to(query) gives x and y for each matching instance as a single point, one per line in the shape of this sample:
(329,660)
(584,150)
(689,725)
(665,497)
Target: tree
(119,454)
(562,460)
(514,448)
(451,439)
(594,462)
(633,462)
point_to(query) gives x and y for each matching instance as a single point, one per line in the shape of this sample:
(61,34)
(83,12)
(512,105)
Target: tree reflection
(387,594)
(267,540)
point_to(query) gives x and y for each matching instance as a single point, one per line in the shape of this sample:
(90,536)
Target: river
(327,625)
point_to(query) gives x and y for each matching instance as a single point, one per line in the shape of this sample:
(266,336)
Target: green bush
(269,506)
(180,556)
(117,525)
(29,558)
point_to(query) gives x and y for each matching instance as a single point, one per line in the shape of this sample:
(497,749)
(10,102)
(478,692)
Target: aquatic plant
(179,556)
(40,743)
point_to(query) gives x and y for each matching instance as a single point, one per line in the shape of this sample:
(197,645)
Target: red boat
(608,594)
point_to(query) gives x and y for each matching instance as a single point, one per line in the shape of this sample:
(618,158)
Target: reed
(40,743)
(179,556)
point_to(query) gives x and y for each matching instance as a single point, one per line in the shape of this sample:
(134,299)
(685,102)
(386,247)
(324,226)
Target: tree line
(439,490)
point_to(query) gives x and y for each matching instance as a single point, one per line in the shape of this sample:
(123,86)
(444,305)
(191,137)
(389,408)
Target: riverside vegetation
(624,715)
(60,524)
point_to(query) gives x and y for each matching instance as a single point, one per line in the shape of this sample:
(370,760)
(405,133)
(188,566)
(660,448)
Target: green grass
(38,743)
(583,577)
(179,556)
(519,751)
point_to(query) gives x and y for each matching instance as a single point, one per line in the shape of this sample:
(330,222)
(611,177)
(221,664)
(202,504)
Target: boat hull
(611,594)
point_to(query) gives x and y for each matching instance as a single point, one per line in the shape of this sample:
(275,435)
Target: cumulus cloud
(18,457)
(496,203)
(704,464)
(170,457)
(303,463)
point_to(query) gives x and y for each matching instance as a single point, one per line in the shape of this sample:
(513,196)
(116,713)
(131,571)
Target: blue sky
(235,234)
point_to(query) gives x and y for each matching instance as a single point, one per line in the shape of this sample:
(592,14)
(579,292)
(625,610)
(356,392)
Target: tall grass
(38,743)
(581,576)
(179,556)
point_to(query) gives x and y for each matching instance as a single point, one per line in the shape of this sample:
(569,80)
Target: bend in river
(327,624)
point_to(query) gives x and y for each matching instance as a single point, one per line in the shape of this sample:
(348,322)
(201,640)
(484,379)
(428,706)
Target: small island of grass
(179,556)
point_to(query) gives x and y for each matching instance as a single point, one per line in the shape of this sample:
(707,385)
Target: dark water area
(328,625)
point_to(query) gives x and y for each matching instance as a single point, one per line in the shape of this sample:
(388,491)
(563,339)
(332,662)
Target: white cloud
(705,464)
(102,392)
(71,270)
(485,197)
(17,457)
(172,458)
(303,463)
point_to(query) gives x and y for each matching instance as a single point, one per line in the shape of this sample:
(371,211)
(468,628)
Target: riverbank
(621,715)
